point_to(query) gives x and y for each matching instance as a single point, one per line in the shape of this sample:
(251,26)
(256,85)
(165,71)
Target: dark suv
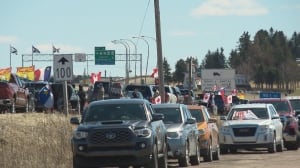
(291,135)
(119,132)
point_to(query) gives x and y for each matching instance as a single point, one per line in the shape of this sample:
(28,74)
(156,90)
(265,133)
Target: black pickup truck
(119,132)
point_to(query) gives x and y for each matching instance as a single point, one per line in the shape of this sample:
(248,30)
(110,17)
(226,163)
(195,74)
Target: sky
(189,28)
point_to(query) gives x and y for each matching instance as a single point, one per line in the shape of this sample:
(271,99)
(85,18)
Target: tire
(272,147)
(195,160)
(184,160)
(279,147)
(163,162)
(154,160)
(216,154)
(223,150)
(76,163)
(13,106)
(209,155)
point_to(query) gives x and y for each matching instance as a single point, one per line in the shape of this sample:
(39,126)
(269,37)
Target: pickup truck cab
(13,95)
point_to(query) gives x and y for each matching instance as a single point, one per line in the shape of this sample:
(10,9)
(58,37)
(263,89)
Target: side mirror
(223,117)
(212,120)
(157,116)
(191,121)
(74,120)
(275,117)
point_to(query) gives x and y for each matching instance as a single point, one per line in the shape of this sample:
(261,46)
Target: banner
(26,72)
(5,74)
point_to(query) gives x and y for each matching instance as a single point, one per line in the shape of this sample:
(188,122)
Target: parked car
(251,126)
(147,90)
(186,93)
(183,142)
(34,88)
(291,135)
(178,94)
(119,132)
(208,133)
(14,95)
(73,98)
(295,102)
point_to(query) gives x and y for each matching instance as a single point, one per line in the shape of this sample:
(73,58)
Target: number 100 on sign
(63,73)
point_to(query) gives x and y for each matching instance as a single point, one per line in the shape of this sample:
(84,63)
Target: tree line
(268,60)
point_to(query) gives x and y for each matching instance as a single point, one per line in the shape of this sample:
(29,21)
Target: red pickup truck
(13,95)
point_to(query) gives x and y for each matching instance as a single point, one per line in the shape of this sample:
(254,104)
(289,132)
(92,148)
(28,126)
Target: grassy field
(35,140)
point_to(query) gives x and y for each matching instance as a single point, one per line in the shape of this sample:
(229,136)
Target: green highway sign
(104,57)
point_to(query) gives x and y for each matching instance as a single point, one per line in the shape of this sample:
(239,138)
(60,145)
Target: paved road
(252,159)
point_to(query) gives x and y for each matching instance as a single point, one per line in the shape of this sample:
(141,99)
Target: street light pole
(135,57)
(126,64)
(147,55)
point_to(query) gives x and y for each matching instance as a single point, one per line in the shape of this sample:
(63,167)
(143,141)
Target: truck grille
(110,136)
(244,131)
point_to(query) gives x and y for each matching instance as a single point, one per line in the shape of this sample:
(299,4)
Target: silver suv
(251,126)
(182,133)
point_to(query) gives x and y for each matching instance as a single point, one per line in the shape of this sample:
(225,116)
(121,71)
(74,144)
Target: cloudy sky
(189,28)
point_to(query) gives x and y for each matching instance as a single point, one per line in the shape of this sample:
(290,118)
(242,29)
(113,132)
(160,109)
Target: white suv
(251,126)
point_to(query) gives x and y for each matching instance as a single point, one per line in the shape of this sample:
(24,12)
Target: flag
(229,99)
(47,73)
(35,50)
(55,50)
(5,74)
(26,72)
(13,50)
(42,74)
(154,73)
(95,77)
(46,97)
(206,97)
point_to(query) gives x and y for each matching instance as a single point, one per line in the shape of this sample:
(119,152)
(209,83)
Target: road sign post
(63,71)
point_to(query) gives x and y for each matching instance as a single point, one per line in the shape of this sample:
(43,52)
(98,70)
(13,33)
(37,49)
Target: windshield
(295,104)
(281,106)
(248,114)
(171,115)
(197,113)
(110,112)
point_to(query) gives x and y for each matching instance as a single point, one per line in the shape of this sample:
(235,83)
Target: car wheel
(195,160)
(13,106)
(223,150)
(208,156)
(76,163)
(163,161)
(184,160)
(154,160)
(279,147)
(272,147)
(216,154)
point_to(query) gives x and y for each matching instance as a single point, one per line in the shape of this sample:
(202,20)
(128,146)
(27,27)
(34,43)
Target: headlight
(263,128)
(174,134)
(202,131)
(80,134)
(225,129)
(144,132)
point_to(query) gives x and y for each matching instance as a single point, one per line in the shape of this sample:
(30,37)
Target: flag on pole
(55,50)
(35,50)
(13,50)
(154,73)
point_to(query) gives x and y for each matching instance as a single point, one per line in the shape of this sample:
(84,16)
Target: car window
(295,104)
(171,115)
(273,111)
(281,106)
(196,113)
(248,114)
(110,112)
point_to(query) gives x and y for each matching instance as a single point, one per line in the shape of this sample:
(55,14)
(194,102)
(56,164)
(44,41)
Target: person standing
(82,96)
(101,92)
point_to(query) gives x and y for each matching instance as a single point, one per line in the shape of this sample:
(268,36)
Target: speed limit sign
(63,67)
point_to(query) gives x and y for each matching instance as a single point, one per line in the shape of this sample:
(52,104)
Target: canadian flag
(234,92)
(154,73)
(206,97)
(229,99)
(95,77)
(157,100)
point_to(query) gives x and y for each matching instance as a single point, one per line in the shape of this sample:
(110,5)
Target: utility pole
(159,51)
